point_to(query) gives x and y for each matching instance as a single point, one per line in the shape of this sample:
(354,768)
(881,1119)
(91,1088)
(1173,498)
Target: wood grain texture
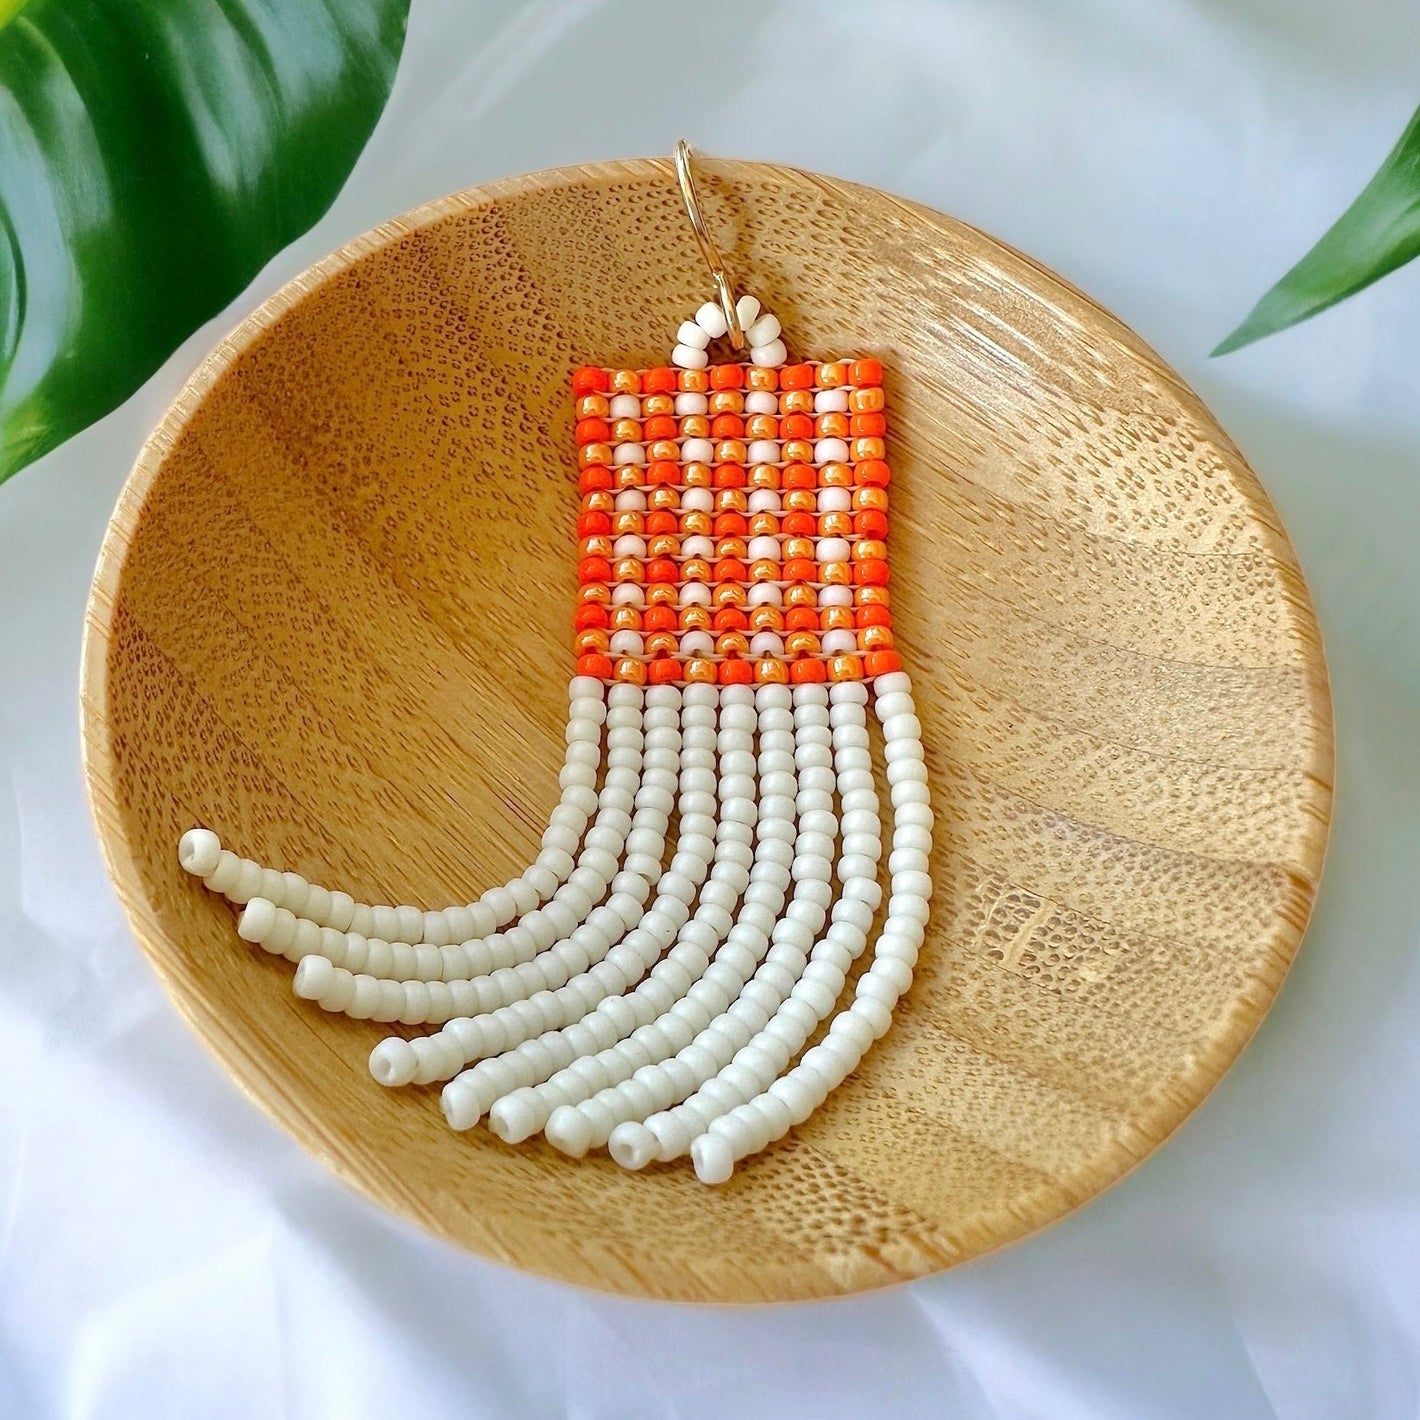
(330,621)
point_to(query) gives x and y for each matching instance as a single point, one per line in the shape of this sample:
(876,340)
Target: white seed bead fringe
(796,843)
(241,880)
(761,335)
(512,964)
(473,1093)
(753,1125)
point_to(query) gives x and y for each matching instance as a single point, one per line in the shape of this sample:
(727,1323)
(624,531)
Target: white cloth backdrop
(166,1251)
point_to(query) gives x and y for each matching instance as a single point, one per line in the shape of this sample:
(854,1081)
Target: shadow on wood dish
(330,622)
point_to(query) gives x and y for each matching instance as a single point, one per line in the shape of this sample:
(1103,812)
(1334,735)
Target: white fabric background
(166,1251)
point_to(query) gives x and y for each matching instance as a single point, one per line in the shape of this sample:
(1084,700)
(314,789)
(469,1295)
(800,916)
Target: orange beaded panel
(733,524)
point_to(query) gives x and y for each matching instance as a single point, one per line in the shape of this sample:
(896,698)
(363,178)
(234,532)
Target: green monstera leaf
(1379,231)
(154,154)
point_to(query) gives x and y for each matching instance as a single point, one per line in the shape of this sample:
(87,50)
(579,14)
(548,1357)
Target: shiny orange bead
(593,478)
(727,426)
(761,426)
(628,476)
(625,618)
(872,596)
(626,381)
(660,618)
(589,379)
(882,662)
(869,548)
(696,475)
(845,668)
(626,431)
(797,426)
(764,475)
(798,524)
(628,569)
(627,524)
(730,618)
(729,594)
(872,614)
(796,377)
(801,643)
(661,380)
(732,643)
(694,381)
(832,425)
(766,618)
(796,548)
(730,569)
(731,546)
(600,500)
(735,672)
(694,426)
(663,451)
(661,643)
(797,451)
(801,500)
(801,475)
(661,426)
(664,497)
(593,406)
(595,665)
(589,454)
(874,472)
(594,569)
(833,374)
(658,405)
(836,574)
(695,569)
(731,451)
(731,500)
(771,672)
(663,471)
(808,672)
(726,402)
(801,595)
(801,569)
(761,377)
(695,618)
(866,401)
(872,573)
(663,594)
(875,638)
(870,523)
(729,475)
(696,524)
(765,569)
(870,497)
(659,520)
(796,402)
(836,618)
(663,545)
(699,669)
(664,671)
(835,524)
(863,449)
(836,475)
(727,377)
(596,546)
(865,426)
(590,616)
(763,524)
(630,670)
(801,618)
(662,569)
(866,372)
(593,524)
(593,592)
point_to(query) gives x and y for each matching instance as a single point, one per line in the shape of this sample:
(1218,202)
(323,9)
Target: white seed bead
(769,356)
(711,319)
(691,402)
(764,330)
(834,401)
(692,336)
(747,308)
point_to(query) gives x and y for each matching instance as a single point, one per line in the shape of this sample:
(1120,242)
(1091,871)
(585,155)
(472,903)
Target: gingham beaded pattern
(733,524)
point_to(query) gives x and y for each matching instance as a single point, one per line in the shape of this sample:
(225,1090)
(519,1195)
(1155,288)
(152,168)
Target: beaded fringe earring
(732,626)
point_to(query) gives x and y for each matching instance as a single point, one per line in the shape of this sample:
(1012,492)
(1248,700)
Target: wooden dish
(331,621)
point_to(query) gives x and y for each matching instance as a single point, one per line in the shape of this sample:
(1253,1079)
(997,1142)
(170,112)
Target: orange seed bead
(593,406)
(694,381)
(845,668)
(698,669)
(697,475)
(729,594)
(626,382)
(630,670)
(761,377)
(801,596)
(866,401)
(770,672)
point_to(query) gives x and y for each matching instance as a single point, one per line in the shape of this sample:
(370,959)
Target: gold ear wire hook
(724,287)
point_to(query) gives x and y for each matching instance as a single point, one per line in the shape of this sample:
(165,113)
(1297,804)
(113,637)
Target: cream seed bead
(790,1099)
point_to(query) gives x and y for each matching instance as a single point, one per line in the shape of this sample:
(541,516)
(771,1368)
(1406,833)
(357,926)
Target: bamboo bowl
(331,617)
